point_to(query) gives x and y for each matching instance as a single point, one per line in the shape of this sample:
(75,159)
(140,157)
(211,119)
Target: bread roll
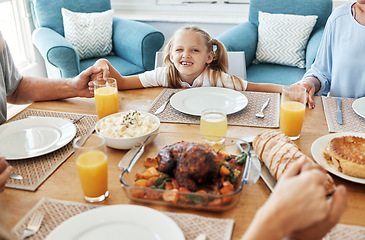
(277,152)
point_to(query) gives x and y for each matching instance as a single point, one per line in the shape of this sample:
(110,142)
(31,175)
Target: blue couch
(244,36)
(134,43)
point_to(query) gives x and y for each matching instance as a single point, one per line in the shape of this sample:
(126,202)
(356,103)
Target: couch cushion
(274,73)
(89,33)
(282,38)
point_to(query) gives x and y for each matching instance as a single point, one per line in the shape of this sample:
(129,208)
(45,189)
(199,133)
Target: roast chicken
(194,166)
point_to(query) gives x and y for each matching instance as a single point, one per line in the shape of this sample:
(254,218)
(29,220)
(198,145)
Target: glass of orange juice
(106,97)
(213,126)
(292,109)
(92,166)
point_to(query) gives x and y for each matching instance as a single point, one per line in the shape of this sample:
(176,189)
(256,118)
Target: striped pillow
(283,38)
(89,33)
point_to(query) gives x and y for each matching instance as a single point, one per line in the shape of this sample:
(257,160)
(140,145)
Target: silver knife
(265,173)
(339,111)
(160,109)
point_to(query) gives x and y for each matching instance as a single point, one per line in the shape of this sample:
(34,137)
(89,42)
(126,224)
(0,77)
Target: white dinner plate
(320,144)
(193,101)
(118,222)
(359,106)
(34,136)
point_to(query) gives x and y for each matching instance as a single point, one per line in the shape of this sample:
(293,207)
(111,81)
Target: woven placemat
(36,170)
(245,117)
(351,121)
(346,232)
(57,211)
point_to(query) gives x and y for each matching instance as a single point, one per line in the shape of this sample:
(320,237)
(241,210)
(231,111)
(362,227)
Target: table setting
(242,107)
(34,170)
(351,110)
(59,211)
(68,208)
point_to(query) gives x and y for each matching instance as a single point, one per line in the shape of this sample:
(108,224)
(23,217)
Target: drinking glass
(106,97)
(213,126)
(92,166)
(292,109)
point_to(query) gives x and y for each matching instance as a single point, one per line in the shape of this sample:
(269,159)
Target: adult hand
(81,82)
(320,229)
(5,171)
(310,84)
(299,198)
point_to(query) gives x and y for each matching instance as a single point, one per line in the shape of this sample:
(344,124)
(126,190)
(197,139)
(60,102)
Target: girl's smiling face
(190,55)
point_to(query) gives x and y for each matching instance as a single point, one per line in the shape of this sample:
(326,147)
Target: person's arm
(5,171)
(312,84)
(264,87)
(298,202)
(33,89)
(123,82)
(320,229)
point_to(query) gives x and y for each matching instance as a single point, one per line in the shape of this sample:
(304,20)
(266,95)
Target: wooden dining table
(64,184)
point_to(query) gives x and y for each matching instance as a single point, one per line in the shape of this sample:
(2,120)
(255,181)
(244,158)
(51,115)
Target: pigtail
(220,59)
(219,65)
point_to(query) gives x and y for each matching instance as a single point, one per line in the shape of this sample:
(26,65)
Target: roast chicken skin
(193,165)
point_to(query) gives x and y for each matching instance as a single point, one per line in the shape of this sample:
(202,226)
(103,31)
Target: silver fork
(34,224)
(261,113)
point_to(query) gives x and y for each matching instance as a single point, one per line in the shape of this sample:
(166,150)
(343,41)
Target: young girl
(192,59)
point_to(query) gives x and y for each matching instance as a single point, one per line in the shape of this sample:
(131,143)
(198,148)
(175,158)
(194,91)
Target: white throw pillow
(89,33)
(282,38)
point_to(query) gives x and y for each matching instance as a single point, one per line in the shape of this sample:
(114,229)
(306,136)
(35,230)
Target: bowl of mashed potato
(124,130)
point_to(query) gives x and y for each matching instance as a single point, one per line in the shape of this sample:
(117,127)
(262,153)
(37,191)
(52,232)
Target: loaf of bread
(347,154)
(277,152)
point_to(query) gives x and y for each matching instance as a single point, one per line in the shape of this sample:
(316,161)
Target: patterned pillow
(89,33)
(283,38)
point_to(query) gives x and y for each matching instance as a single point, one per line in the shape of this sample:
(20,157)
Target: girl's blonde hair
(219,63)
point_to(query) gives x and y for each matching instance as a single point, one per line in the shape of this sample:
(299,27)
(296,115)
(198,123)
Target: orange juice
(291,118)
(106,101)
(213,124)
(93,172)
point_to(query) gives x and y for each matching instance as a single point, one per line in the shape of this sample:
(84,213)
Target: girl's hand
(103,64)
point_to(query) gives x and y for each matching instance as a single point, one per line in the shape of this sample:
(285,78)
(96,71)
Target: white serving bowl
(128,142)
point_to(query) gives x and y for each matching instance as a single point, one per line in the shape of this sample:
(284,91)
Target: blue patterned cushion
(89,33)
(282,38)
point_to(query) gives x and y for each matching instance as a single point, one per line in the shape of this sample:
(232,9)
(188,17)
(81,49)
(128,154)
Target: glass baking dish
(132,166)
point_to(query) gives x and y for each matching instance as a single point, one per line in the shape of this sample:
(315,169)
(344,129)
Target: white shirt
(158,78)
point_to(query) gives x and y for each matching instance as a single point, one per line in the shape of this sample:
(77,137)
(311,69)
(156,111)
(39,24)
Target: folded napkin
(57,211)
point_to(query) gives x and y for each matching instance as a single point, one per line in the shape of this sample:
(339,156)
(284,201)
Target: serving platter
(132,165)
(320,144)
(34,136)
(195,100)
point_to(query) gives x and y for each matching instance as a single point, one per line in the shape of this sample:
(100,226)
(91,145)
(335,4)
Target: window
(14,26)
